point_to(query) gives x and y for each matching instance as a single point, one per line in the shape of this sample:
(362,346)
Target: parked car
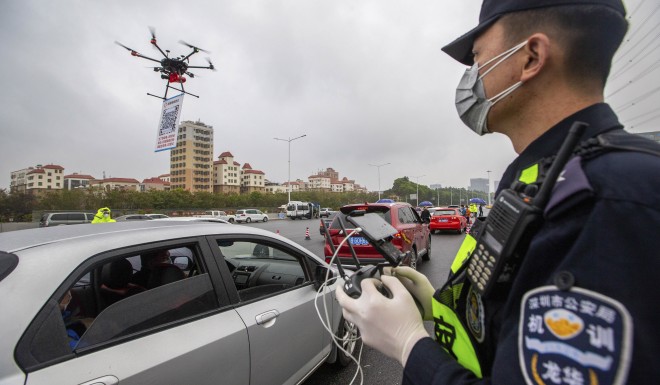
(413,236)
(327,220)
(133,217)
(218,214)
(326,212)
(445,218)
(157,216)
(231,308)
(250,215)
(71,218)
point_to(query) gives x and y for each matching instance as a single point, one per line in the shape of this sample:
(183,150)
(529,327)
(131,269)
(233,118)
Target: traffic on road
(90,305)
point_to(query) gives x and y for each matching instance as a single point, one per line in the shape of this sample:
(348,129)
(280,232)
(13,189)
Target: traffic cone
(307,238)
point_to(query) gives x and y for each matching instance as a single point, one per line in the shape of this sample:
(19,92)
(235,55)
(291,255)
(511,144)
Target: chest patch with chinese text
(575,337)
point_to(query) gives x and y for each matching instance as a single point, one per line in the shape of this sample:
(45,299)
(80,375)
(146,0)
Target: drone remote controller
(512,222)
(353,287)
(379,234)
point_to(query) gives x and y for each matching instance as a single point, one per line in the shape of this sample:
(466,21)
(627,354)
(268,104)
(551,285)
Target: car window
(260,270)
(120,298)
(405,216)
(444,212)
(58,217)
(77,217)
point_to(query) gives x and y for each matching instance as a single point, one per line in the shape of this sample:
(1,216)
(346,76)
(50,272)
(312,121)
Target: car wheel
(265,218)
(427,256)
(348,336)
(413,259)
(248,220)
(231,220)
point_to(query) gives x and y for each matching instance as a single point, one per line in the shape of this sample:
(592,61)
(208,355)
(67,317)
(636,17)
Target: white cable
(327,323)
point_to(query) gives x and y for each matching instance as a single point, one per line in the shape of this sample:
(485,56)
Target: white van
(300,210)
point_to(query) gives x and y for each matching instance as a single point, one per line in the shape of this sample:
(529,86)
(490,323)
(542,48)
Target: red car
(413,235)
(445,218)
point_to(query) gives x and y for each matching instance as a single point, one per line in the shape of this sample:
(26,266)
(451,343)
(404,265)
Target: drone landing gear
(167,87)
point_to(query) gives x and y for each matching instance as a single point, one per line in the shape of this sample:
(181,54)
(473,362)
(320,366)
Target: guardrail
(12,226)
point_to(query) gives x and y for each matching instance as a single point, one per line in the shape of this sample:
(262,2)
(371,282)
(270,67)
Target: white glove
(391,325)
(419,286)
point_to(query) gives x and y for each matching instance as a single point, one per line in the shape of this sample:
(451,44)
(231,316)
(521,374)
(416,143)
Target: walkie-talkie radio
(514,218)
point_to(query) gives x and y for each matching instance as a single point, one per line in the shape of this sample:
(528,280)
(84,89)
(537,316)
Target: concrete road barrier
(12,226)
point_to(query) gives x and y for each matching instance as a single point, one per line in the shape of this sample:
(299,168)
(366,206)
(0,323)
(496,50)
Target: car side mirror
(320,273)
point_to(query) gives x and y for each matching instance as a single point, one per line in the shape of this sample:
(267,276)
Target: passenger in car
(149,260)
(115,281)
(74,328)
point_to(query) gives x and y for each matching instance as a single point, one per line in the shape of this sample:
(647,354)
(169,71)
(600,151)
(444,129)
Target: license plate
(360,241)
(444,220)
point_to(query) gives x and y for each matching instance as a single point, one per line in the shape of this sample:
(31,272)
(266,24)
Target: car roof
(192,219)
(348,208)
(119,233)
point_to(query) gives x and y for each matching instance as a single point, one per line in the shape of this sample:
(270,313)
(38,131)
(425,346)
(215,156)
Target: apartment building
(226,174)
(109,184)
(191,161)
(319,183)
(154,184)
(75,180)
(37,179)
(252,180)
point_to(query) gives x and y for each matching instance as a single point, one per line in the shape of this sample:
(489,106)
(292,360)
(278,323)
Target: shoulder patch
(571,181)
(574,337)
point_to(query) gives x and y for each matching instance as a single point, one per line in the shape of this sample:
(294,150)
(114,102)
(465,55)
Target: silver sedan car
(162,302)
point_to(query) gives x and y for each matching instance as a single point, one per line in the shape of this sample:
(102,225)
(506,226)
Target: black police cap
(491,10)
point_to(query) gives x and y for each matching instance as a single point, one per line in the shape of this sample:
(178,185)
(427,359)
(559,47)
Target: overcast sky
(365,80)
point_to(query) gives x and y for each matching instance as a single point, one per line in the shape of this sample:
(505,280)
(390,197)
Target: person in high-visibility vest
(103,215)
(574,302)
(474,209)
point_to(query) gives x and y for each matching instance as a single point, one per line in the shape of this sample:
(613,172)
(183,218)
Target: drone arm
(208,67)
(146,57)
(156,45)
(194,51)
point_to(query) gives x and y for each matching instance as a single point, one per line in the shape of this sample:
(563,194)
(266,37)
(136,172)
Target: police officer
(580,306)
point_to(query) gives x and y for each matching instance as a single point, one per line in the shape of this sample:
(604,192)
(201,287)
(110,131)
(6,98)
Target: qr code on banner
(168,122)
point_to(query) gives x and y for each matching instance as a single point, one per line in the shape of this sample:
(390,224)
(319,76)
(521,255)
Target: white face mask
(471,102)
(106,215)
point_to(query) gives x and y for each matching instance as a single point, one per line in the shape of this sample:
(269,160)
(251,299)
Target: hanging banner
(169,122)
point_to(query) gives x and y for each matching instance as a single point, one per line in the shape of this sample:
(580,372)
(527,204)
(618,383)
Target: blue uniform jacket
(599,244)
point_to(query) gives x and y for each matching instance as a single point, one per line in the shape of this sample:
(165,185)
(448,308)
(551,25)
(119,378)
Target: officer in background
(581,307)
(103,215)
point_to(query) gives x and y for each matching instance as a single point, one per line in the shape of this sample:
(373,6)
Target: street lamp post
(488,186)
(417,184)
(290,140)
(378,166)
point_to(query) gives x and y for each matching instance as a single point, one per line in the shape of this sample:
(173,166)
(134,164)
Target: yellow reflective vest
(453,302)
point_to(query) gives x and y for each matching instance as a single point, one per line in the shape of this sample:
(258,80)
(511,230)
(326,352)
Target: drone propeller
(153,32)
(211,67)
(193,47)
(121,45)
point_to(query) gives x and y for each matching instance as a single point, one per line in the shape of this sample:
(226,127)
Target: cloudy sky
(365,80)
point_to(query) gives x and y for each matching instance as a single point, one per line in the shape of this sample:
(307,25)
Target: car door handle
(106,380)
(266,317)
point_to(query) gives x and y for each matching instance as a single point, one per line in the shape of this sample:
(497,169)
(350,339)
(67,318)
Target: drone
(172,69)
